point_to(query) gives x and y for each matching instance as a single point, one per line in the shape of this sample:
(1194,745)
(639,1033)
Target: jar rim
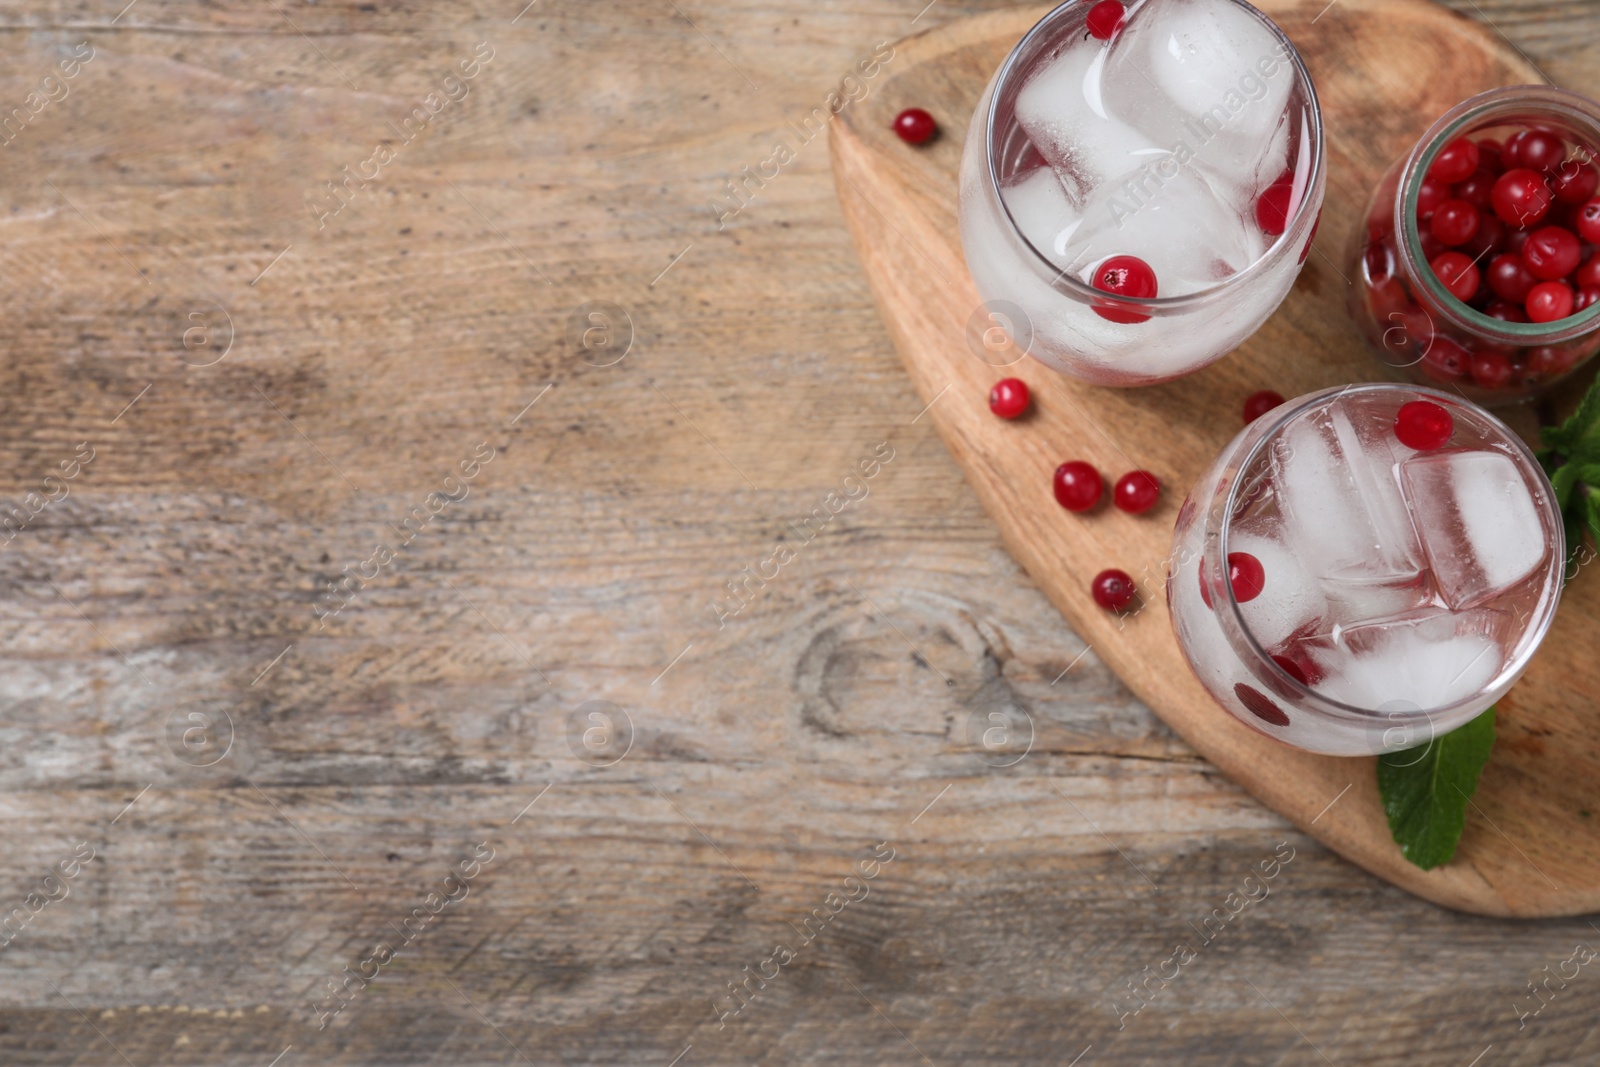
(1528,641)
(1158,304)
(1470,114)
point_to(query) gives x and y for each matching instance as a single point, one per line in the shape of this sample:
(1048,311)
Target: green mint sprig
(1571,458)
(1425,790)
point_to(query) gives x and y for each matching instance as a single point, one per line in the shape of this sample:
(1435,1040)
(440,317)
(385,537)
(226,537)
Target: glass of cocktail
(1366,568)
(1141,184)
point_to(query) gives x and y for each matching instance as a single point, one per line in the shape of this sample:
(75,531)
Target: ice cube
(1429,659)
(1289,598)
(1352,601)
(1208,75)
(1173,219)
(1342,503)
(1040,207)
(1062,110)
(1480,526)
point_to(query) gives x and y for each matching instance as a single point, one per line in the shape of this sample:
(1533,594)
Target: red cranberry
(1106,18)
(1124,276)
(914,125)
(1510,278)
(1078,486)
(1272,208)
(1454,222)
(1521,197)
(1490,238)
(1548,361)
(1423,425)
(1377,261)
(1490,370)
(1506,312)
(1113,590)
(1444,360)
(1489,155)
(1246,576)
(1551,253)
(1432,247)
(1430,195)
(1476,189)
(1588,221)
(1589,273)
(1535,150)
(1258,404)
(1009,398)
(1586,298)
(1458,273)
(1575,182)
(1414,328)
(1304,670)
(1549,301)
(1455,162)
(1515,239)
(1259,705)
(1136,492)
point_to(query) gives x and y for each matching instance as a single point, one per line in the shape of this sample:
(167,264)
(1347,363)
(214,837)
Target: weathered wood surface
(831,714)
(1529,850)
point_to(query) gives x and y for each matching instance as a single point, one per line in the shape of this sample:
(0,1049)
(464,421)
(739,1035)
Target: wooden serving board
(1530,847)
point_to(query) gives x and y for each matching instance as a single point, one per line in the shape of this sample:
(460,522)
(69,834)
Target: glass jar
(1375,594)
(1421,332)
(1044,301)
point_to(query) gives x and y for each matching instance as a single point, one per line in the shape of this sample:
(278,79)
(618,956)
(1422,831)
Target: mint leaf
(1425,790)
(1579,437)
(1571,459)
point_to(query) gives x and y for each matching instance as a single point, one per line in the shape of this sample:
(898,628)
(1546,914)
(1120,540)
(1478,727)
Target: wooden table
(387,636)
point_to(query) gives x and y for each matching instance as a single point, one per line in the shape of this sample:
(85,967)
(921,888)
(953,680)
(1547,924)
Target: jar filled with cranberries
(1477,263)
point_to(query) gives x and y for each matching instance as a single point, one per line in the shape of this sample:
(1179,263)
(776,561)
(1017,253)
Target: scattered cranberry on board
(914,125)
(1078,486)
(1113,590)
(1136,492)
(1258,404)
(1009,399)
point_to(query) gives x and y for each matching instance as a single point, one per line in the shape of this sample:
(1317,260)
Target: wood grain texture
(376,752)
(1528,849)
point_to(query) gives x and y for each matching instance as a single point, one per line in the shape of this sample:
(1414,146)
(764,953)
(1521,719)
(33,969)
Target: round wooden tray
(1529,848)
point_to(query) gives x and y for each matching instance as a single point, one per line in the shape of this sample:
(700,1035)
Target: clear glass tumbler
(1140,186)
(1366,568)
